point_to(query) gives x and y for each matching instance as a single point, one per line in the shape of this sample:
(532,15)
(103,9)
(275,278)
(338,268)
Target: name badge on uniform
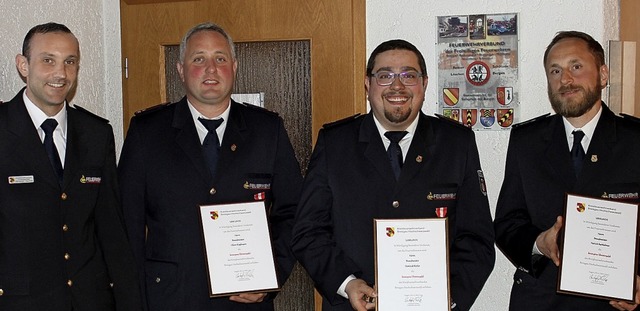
(24,179)
(90,180)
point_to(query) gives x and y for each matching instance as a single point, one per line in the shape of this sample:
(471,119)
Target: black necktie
(394,152)
(211,144)
(577,153)
(48,126)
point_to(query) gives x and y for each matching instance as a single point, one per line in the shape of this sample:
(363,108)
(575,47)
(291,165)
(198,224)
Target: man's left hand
(622,305)
(248,297)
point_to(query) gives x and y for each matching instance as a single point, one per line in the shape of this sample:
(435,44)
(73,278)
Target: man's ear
(604,75)
(22,64)
(180,68)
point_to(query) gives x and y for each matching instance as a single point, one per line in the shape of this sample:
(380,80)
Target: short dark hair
(42,28)
(594,46)
(396,44)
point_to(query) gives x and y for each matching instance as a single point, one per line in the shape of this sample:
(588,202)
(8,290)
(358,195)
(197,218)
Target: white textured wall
(539,20)
(96,23)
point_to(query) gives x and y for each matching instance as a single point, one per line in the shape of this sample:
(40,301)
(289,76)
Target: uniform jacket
(61,247)
(350,182)
(164,179)
(539,171)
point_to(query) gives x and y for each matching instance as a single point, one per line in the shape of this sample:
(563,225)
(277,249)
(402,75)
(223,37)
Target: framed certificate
(237,249)
(412,270)
(599,248)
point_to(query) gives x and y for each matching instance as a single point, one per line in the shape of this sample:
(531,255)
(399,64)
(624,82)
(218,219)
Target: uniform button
(69,283)
(65,228)
(1,291)
(63,196)
(395,204)
(67,256)
(157,280)
(519,281)
(212,191)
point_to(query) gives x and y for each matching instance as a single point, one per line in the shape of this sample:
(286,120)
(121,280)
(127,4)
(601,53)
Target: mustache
(569,88)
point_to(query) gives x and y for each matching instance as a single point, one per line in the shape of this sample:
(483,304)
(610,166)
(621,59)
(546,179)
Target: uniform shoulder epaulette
(85,111)
(258,108)
(342,121)
(150,109)
(544,116)
(452,121)
(630,117)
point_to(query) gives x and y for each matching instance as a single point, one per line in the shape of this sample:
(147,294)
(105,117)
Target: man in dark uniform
(357,174)
(540,170)
(63,245)
(166,172)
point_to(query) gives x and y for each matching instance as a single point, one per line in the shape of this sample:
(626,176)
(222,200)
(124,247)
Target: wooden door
(335,30)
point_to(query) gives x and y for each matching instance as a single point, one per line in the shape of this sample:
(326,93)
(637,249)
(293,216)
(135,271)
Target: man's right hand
(547,242)
(356,290)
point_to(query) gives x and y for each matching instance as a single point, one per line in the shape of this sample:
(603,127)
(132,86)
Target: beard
(397,114)
(570,108)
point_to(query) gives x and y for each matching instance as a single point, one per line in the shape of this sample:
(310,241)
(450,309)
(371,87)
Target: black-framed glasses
(384,78)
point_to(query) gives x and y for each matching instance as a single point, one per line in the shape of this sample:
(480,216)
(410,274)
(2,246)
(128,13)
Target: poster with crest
(478,82)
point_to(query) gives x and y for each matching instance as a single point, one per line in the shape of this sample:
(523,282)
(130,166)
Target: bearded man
(583,149)
(356,174)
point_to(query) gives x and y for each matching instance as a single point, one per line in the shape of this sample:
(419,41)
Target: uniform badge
(259,196)
(483,185)
(441,212)
(594,158)
(621,196)
(441,196)
(90,180)
(255,186)
(419,159)
(24,179)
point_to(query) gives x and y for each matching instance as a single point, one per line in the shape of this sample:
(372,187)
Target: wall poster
(478,82)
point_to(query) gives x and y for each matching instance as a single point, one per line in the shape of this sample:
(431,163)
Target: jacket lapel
(374,150)
(600,148)
(234,138)
(27,143)
(421,149)
(77,147)
(187,138)
(557,153)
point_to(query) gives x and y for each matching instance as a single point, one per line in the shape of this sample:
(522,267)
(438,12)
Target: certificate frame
(412,264)
(237,249)
(598,259)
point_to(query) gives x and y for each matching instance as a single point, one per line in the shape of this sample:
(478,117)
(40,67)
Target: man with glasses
(394,162)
